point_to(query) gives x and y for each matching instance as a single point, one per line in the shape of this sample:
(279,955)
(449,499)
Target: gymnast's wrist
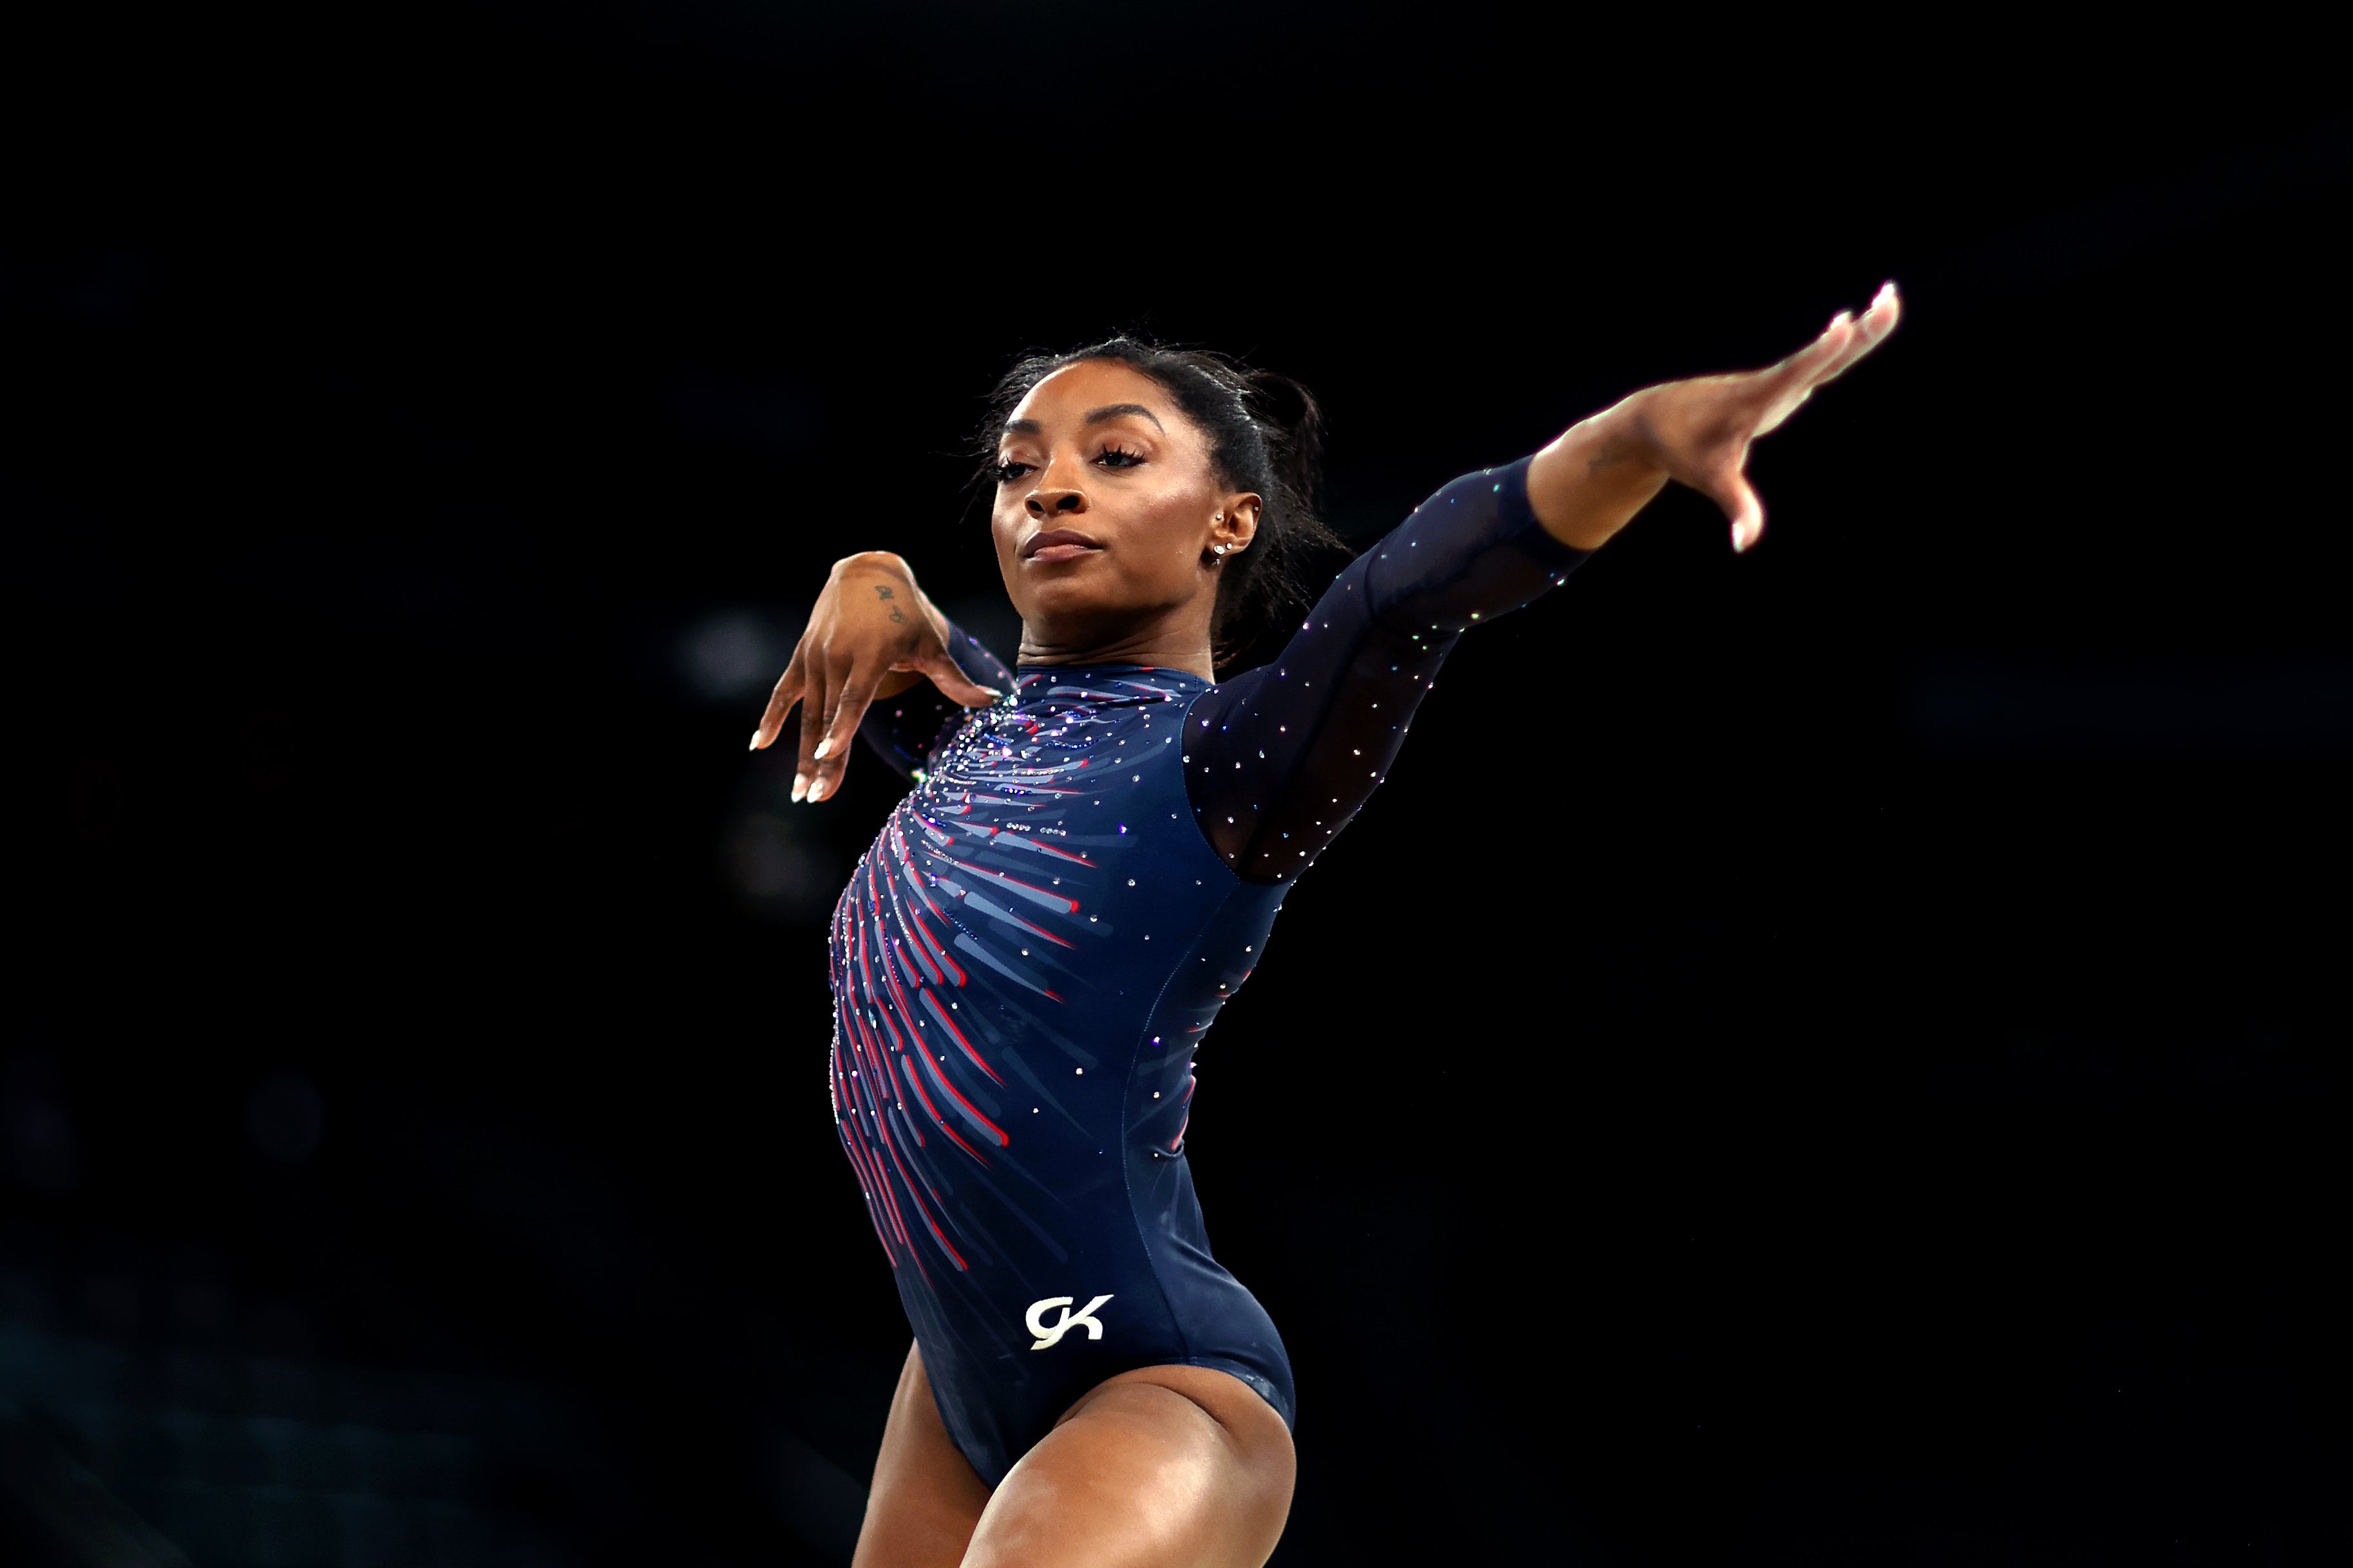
(1590,483)
(883,561)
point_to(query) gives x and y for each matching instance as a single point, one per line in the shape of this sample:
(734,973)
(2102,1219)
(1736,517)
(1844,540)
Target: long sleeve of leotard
(904,728)
(1279,759)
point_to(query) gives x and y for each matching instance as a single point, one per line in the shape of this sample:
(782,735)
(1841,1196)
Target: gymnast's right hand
(871,633)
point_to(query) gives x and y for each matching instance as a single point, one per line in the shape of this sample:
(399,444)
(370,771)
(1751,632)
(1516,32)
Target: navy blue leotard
(1026,961)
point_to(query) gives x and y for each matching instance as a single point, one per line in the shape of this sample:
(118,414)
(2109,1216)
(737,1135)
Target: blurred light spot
(734,656)
(286,1117)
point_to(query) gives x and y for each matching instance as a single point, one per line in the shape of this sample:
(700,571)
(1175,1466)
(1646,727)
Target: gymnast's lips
(1056,544)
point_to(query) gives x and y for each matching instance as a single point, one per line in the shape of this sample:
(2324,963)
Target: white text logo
(1048,1336)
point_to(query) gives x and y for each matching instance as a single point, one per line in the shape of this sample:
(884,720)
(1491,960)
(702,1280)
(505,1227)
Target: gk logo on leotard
(1050,1334)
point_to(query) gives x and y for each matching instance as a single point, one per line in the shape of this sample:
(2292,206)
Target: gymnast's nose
(1049,501)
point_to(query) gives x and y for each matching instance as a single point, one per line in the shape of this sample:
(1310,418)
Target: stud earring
(1217,549)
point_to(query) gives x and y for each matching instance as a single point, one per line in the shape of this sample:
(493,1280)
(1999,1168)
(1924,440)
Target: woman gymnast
(1087,867)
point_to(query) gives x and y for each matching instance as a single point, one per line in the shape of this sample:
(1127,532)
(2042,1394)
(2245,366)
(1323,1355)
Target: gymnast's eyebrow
(1094,417)
(1113,410)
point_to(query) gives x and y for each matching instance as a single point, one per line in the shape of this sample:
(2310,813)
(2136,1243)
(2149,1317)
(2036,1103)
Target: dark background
(1828,1057)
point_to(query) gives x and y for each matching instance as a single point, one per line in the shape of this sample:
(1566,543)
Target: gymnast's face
(1108,513)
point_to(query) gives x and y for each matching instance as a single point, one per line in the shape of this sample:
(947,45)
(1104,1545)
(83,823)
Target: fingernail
(755,742)
(816,792)
(824,747)
(800,786)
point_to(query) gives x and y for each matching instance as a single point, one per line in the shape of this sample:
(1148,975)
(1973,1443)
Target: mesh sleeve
(903,730)
(1278,759)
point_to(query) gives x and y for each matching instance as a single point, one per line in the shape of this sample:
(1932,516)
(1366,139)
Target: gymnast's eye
(1118,458)
(1008,470)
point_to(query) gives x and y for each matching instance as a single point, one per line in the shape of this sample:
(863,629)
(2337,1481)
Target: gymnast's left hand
(1590,482)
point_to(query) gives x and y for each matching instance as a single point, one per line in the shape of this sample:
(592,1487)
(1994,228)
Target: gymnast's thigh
(1164,1467)
(926,1496)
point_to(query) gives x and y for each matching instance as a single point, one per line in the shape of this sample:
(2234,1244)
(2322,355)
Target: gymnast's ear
(1235,524)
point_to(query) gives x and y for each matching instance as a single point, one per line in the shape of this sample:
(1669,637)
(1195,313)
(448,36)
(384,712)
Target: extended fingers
(815,702)
(1803,369)
(1846,340)
(1710,422)
(780,702)
(830,756)
(1780,391)
(1871,329)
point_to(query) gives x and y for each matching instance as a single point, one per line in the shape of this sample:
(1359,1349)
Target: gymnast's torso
(1028,956)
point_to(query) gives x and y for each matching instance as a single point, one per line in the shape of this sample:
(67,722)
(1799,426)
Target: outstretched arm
(871,633)
(1590,482)
(1279,760)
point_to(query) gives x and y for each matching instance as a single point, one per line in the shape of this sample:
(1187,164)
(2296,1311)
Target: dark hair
(1266,434)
